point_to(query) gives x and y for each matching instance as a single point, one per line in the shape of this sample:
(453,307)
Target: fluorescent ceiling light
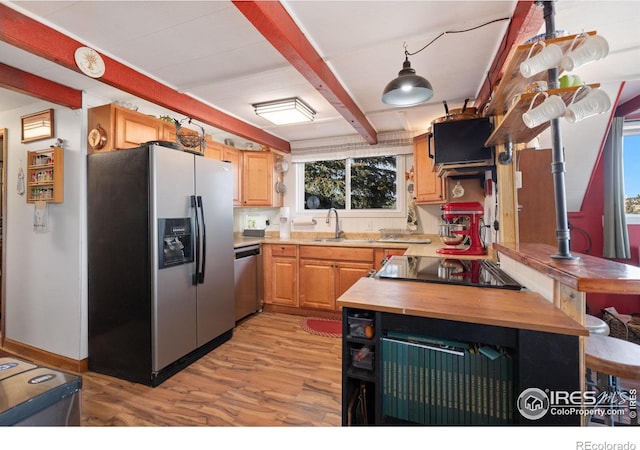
(285,112)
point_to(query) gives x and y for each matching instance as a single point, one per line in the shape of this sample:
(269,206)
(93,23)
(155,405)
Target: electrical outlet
(369,225)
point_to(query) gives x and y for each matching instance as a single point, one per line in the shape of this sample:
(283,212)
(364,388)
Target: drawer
(283,250)
(335,253)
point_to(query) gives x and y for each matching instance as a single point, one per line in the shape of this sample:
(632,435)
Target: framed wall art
(37,126)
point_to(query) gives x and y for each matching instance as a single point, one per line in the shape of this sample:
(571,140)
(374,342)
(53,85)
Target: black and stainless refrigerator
(160,260)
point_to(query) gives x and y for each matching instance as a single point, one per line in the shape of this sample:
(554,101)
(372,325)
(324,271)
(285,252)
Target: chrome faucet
(337,221)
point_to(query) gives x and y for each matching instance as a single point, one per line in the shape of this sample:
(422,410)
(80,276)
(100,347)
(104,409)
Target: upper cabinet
(257,179)
(429,187)
(253,171)
(510,99)
(234,156)
(112,127)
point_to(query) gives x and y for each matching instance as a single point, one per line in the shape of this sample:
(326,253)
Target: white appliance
(161,293)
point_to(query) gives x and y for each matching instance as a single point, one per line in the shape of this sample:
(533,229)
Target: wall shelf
(512,128)
(513,83)
(45,175)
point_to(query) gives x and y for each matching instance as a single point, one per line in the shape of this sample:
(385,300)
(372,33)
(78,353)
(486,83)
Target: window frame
(401,192)
(631,128)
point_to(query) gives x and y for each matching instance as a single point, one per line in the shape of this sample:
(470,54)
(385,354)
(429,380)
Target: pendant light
(408,89)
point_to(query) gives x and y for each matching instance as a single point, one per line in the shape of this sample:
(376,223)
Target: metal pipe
(557,165)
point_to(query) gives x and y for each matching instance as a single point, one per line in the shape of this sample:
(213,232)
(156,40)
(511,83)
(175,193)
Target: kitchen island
(539,344)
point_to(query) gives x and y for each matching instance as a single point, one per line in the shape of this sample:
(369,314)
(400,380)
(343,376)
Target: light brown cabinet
(234,156)
(257,179)
(428,186)
(253,171)
(327,272)
(213,149)
(305,277)
(280,275)
(125,128)
(45,175)
(317,284)
(252,177)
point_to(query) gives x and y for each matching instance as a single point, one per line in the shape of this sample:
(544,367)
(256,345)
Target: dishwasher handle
(245,252)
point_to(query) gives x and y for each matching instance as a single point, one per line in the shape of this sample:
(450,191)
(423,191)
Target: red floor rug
(322,327)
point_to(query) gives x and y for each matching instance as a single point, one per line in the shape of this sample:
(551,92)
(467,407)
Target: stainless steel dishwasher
(248,280)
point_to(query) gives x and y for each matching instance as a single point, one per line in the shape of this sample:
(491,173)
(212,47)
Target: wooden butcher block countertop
(586,274)
(488,306)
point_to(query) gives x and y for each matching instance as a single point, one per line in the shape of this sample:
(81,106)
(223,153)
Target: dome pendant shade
(408,89)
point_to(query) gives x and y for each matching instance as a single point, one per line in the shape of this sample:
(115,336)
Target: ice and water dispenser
(175,242)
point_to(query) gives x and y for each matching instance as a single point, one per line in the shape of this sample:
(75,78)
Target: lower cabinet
(312,277)
(327,272)
(284,281)
(280,267)
(322,282)
(317,284)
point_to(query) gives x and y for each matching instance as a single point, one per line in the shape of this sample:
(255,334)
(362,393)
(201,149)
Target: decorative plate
(97,137)
(89,62)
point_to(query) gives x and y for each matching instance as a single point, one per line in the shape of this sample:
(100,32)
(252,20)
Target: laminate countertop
(417,245)
(523,310)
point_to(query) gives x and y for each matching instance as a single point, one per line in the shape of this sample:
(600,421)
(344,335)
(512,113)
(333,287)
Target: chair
(612,359)
(623,326)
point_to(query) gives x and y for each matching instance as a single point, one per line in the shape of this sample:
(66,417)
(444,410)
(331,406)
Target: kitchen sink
(328,240)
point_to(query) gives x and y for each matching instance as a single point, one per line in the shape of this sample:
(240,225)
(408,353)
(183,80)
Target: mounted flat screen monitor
(462,141)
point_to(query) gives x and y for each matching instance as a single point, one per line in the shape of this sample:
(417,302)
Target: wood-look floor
(271,373)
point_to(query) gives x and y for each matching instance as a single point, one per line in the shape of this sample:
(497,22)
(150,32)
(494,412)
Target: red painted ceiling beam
(26,83)
(629,107)
(278,27)
(41,40)
(526,22)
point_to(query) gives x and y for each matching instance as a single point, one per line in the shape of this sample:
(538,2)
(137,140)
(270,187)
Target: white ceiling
(209,50)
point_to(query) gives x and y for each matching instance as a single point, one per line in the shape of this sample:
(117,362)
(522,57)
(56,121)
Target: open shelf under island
(454,355)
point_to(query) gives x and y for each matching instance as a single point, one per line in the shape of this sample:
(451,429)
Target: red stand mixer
(462,221)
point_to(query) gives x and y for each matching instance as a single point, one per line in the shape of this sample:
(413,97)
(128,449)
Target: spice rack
(45,175)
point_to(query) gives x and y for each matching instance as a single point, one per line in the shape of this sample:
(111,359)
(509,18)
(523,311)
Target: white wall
(45,285)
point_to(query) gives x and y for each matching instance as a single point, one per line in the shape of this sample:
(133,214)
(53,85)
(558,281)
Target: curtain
(616,236)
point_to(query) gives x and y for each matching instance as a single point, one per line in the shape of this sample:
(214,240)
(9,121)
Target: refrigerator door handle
(204,242)
(195,277)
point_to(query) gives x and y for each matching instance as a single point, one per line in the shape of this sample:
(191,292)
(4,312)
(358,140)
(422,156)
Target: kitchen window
(631,155)
(359,186)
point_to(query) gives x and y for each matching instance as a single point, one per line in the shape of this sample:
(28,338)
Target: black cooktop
(467,272)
